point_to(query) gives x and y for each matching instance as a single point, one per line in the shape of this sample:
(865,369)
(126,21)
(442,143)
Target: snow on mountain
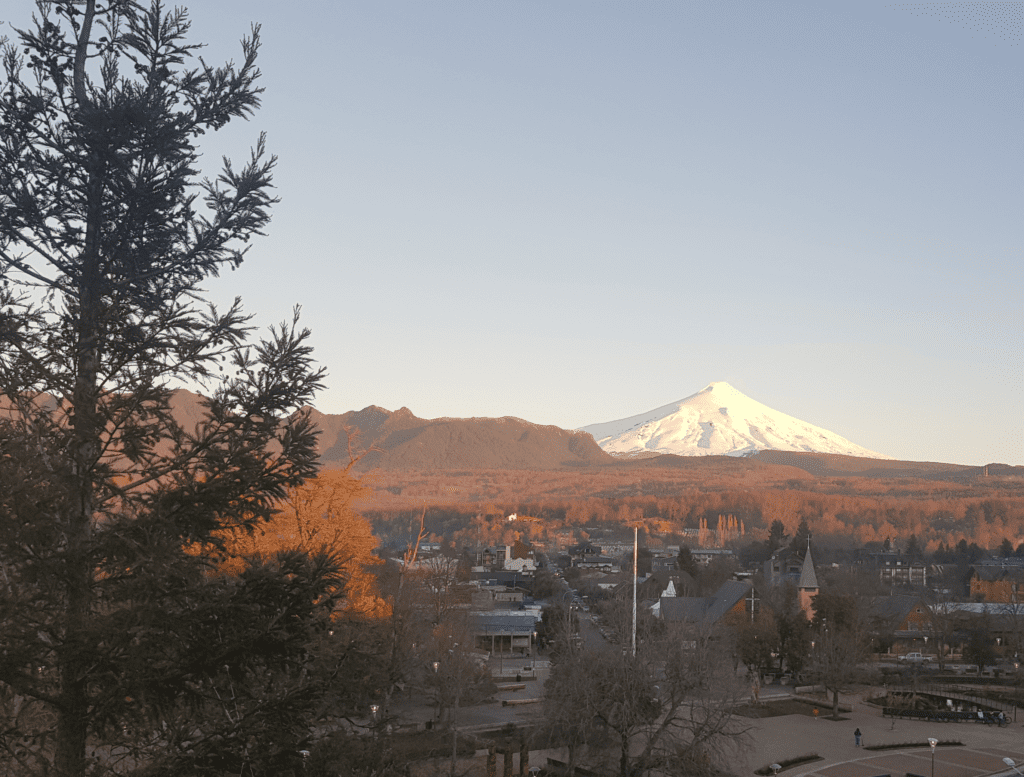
(718,421)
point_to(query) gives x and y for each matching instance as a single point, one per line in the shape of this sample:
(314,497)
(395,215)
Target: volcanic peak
(718,420)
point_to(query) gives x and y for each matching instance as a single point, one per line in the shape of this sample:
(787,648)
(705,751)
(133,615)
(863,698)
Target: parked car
(915,658)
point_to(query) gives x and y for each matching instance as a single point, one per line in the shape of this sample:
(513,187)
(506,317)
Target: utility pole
(636,530)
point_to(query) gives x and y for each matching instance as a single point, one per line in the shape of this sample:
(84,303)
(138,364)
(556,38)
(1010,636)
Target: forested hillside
(851,509)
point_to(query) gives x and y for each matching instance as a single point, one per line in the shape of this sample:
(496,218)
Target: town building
(991,583)
(732,597)
(894,568)
(900,624)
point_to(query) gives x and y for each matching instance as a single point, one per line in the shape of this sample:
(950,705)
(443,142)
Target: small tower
(808,585)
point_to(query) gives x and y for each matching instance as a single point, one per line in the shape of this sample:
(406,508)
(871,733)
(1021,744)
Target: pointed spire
(808,580)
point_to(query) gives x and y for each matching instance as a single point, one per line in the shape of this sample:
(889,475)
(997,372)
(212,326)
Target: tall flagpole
(635,535)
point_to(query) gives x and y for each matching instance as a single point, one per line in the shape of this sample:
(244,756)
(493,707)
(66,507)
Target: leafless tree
(943,625)
(439,576)
(567,704)
(836,652)
(456,672)
(665,709)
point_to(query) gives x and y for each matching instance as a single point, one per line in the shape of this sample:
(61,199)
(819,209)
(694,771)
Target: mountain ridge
(379,438)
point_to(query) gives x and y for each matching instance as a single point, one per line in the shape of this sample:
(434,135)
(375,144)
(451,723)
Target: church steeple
(808,585)
(808,580)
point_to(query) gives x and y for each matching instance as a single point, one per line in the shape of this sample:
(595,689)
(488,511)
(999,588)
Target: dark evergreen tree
(965,554)
(834,610)
(644,562)
(979,648)
(1006,548)
(686,563)
(756,641)
(794,640)
(776,536)
(123,649)
(793,627)
(840,643)
(801,539)
(913,550)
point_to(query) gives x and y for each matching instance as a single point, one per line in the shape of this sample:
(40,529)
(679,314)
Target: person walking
(856,738)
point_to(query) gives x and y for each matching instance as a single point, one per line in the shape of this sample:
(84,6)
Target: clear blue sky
(573,212)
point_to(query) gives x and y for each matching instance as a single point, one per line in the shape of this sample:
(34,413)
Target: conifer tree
(123,652)
(776,536)
(913,550)
(801,539)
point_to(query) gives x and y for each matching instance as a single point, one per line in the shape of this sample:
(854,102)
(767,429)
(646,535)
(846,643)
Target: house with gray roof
(731,597)
(505,631)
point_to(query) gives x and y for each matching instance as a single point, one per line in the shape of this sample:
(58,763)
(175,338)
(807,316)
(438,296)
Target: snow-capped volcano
(719,421)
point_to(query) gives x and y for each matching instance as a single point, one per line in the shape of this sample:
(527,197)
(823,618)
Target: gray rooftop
(704,608)
(522,622)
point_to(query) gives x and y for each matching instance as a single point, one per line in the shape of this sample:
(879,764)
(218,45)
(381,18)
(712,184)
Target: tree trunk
(69,755)
(73,709)
(835,704)
(624,758)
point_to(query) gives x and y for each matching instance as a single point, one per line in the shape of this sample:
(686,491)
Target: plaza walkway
(789,736)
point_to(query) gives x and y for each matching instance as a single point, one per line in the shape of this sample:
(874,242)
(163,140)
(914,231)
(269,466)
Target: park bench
(944,716)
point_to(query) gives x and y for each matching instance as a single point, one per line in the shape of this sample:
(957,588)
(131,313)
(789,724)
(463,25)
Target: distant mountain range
(718,421)
(399,440)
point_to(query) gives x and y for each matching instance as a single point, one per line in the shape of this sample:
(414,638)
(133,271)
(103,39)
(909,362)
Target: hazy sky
(573,212)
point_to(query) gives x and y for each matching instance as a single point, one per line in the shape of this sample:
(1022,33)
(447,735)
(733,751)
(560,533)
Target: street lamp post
(455,709)
(452,675)
(933,742)
(374,720)
(1012,764)
(437,665)
(455,733)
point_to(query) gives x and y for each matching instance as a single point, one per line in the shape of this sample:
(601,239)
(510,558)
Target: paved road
(592,637)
